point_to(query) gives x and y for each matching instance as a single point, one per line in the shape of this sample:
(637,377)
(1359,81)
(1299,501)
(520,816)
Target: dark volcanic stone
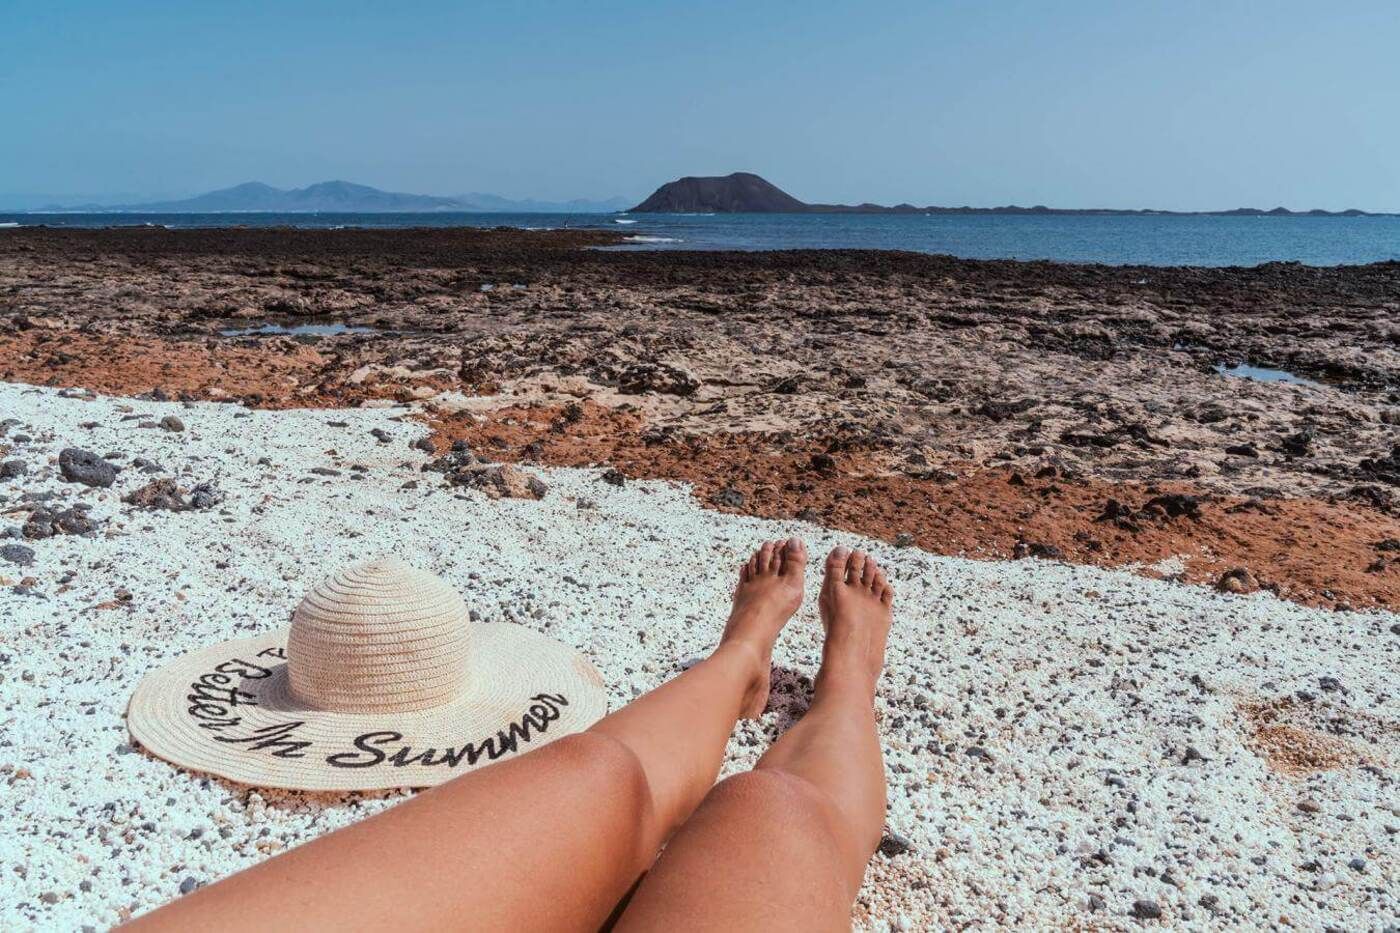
(893,845)
(1146,910)
(1025,549)
(730,498)
(45,524)
(17,554)
(86,467)
(1174,505)
(500,480)
(1384,468)
(172,423)
(11,469)
(1299,444)
(205,496)
(613,477)
(164,493)
(640,378)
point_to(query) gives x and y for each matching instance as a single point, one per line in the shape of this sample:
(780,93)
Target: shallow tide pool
(1264,374)
(318,330)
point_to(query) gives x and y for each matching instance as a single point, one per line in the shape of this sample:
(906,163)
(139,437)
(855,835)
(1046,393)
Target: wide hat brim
(228,710)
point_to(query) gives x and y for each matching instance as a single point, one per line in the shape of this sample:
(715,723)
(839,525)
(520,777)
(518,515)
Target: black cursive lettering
(365,743)
(272,737)
(535,720)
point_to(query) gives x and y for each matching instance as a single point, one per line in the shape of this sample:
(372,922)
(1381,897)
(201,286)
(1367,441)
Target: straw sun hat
(381,681)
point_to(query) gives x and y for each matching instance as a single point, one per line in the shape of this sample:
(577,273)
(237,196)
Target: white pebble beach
(1066,747)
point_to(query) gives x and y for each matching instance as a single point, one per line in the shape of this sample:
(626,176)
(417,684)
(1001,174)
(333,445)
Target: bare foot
(855,609)
(768,593)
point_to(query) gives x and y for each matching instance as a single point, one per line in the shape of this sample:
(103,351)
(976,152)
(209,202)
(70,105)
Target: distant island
(338,197)
(747,193)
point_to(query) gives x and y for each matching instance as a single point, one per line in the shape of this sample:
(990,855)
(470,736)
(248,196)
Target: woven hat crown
(379,637)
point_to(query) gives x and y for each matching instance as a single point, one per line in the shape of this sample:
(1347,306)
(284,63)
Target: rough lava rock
(43,523)
(165,493)
(84,466)
(640,378)
(17,554)
(501,481)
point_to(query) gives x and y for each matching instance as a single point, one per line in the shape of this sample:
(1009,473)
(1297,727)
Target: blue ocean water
(1117,240)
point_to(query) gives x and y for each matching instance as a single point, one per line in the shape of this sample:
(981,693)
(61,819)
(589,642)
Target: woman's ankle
(841,679)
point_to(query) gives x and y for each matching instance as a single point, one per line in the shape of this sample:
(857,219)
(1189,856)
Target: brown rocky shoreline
(982,408)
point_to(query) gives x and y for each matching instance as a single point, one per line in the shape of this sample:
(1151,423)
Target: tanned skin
(567,837)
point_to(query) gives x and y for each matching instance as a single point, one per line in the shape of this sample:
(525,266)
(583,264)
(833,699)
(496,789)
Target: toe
(744,572)
(855,566)
(765,557)
(868,574)
(836,564)
(886,594)
(794,554)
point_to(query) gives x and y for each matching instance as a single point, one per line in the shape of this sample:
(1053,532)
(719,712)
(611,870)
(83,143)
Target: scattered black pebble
(1146,910)
(893,845)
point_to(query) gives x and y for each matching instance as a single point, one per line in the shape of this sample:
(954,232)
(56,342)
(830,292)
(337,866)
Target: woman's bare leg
(551,840)
(784,847)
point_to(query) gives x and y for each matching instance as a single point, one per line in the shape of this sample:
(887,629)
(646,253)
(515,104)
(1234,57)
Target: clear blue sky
(1075,104)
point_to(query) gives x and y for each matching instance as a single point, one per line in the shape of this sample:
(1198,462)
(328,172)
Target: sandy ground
(1066,746)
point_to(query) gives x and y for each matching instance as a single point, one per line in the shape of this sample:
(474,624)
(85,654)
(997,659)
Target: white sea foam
(623,220)
(639,238)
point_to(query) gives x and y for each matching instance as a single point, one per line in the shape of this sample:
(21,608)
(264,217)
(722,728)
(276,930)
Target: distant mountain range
(745,192)
(339,197)
(741,192)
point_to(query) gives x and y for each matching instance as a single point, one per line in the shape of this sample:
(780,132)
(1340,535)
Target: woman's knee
(604,766)
(769,795)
